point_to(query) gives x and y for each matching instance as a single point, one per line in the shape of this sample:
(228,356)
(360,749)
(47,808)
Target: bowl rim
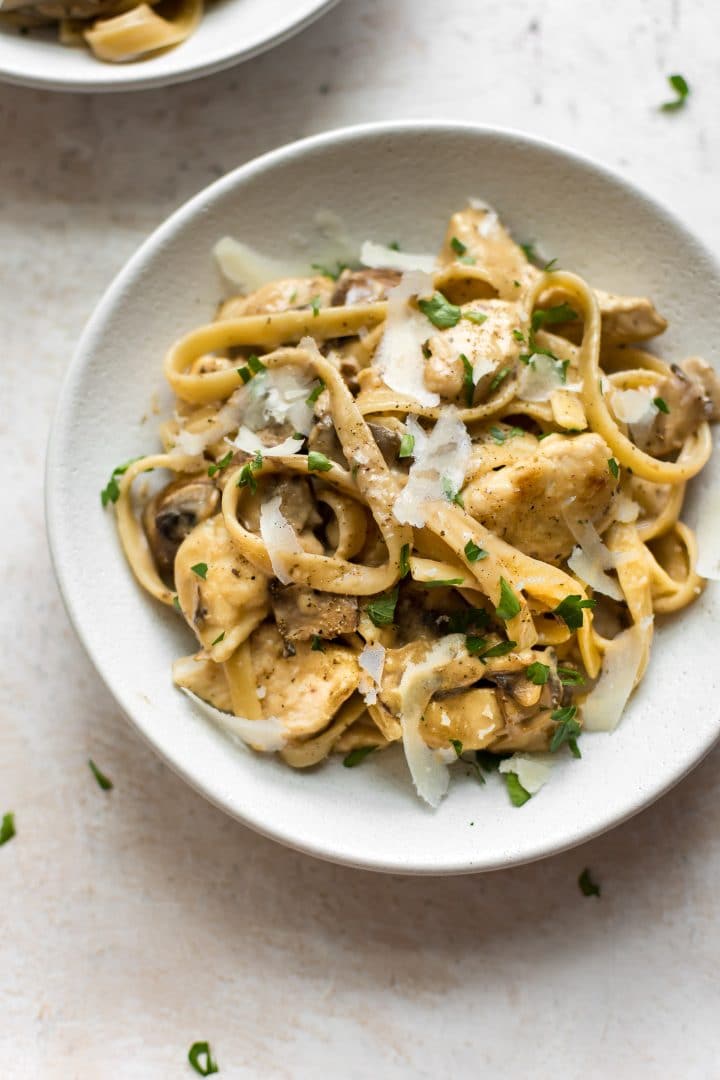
(83,354)
(133,76)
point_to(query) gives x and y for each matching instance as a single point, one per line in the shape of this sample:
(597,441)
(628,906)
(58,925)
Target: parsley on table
(518,795)
(538,673)
(317,462)
(111,491)
(473,553)
(468,380)
(567,730)
(613,467)
(381,610)
(407,445)
(221,464)
(570,610)
(205,1067)
(7,828)
(509,605)
(316,392)
(678,83)
(661,404)
(587,886)
(103,781)
(201,569)
(458,247)
(357,755)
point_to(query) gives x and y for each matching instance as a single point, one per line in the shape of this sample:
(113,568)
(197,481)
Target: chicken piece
(473,717)
(625,319)
(489,347)
(302,613)
(363,286)
(205,678)
(491,265)
(462,671)
(229,598)
(687,408)
(303,690)
(524,503)
(287,294)
(707,377)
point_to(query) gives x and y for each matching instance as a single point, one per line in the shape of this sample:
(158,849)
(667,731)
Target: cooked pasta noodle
(437,508)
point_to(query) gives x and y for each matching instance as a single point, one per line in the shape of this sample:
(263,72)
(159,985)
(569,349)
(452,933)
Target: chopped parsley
(529,250)
(205,1067)
(468,381)
(201,569)
(475,644)
(407,445)
(247,477)
(569,676)
(567,730)
(326,271)
(538,673)
(678,83)
(440,311)
(317,462)
(404,560)
(469,260)
(661,404)
(458,247)
(111,491)
(560,313)
(489,761)
(218,639)
(499,436)
(221,464)
(473,553)
(519,336)
(7,828)
(457,746)
(357,755)
(315,305)
(244,373)
(613,467)
(426,350)
(477,317)
(316,392)
(459,622)
(381,610)
(441,583)
(501,649)
(518,795)
(570,610)
(450,494)
(499,377)
(316,643)
(550,266)
(587,886)
(103,781)
(509,605)
(176,603)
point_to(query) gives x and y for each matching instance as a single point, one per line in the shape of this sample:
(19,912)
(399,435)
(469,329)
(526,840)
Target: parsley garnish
(475,644)
(586,884)
(550,266)
(509,605)
(681,88)
(570,610)
(457,746)
(519,336)
(111,492)
(518,795)
(104,782)
(246,477)
(218,639)
(407,445)
(499,436)
(221,464)
(570,677)
(316,392)
(404,560)
(201,569)
(450,494)
(549,316)
(468,382)
(244,373)
(469,260)
(459,622)
(206,1067)
(567,730)
(316,643)
(538,673)
(394,246)
(458,247)
(381,610)
(489,761)
(499,377)
(529,249)
(255,364)
(315,305)
(426,350)
(176,603)
(7,829)
(440,311)
(477,317)
(317,462)
(613,467)
(357,755)
(661,404)
(441,583)
(327,272)
(473,553)
(501,649)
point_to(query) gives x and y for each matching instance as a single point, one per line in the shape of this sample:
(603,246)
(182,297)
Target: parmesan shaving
(533,771)
(625,509)
(279,395)
(248,269)
(399,355)
(379,257)
(605,703)
(248,441)
(540,378)
(266,735)
(440,462)
(592,558)
(279,537)
(634,407)
(372,661)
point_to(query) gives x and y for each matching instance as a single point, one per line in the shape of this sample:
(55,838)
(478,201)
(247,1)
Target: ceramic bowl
(384,182)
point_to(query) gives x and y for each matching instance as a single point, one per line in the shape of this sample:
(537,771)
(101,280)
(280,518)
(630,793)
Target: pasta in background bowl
(404,548)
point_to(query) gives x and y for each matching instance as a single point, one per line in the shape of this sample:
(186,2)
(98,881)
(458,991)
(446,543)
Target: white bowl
(387,182)
(229,32)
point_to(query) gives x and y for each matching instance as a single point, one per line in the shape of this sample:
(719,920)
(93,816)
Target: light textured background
(132,923)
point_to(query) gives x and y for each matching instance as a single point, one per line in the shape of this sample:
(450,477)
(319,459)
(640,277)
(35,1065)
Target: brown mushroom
(172,515)
(302,613)
(363,286)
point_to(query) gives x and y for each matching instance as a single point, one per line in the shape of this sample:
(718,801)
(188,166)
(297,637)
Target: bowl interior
(230,30)
(399,183)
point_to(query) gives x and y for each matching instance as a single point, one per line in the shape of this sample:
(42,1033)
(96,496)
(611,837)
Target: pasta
(116,31)
(427,501)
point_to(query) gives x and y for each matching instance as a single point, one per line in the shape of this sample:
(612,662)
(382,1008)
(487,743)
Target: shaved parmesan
(532,770)
(429,772)
(634,407)
(190,442)
(491,220)
(227,418)
(380,257)
(440,462)
(399,356)
(540,378)
(625,509)
(247,268)
(592,558)
(266,735)
(279,395)
(248,441)
(605,703)
(707,528)
(372,661)
(279,538)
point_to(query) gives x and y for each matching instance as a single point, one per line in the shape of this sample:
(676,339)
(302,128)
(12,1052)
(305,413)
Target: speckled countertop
(136,921)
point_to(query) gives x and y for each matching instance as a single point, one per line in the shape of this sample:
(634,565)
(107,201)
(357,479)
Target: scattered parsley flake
(201,569)
(469,260)
(103,781)
(529,250)
(407,445)
(457,746)
(489,761)
(247,478)
(441,583)
(678,83)
(7,828)
(587,886)
(570,610)
(458,247)
(316,643)
(613,467)
(468,382)
(499,436)
(221,464)
(218,639)
(255,364)
(518,335)
(426,350)
(404,560)
(381,610)
(475,644)
(570,676)
(440,311)
(499,377)
(509,605)
(470,618)
(560,313)
(473,553)
(538,673)
(567,730)
(200,1050)
(317,462)
(326,271)
(661,404)
(357,755)
(244,373)
(518,795)
(176,603)
(111,492)
(477,317)
(316,392)
(394,246)
(501,649)
(550,266)
(315,305)
(450,494)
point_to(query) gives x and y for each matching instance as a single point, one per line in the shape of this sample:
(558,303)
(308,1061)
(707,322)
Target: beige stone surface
(137,921)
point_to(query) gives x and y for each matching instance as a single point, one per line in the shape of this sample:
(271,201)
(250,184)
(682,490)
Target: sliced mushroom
(302,613)
(687,406)
(172,515)
(363,286)
(388,441)
(323,439)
